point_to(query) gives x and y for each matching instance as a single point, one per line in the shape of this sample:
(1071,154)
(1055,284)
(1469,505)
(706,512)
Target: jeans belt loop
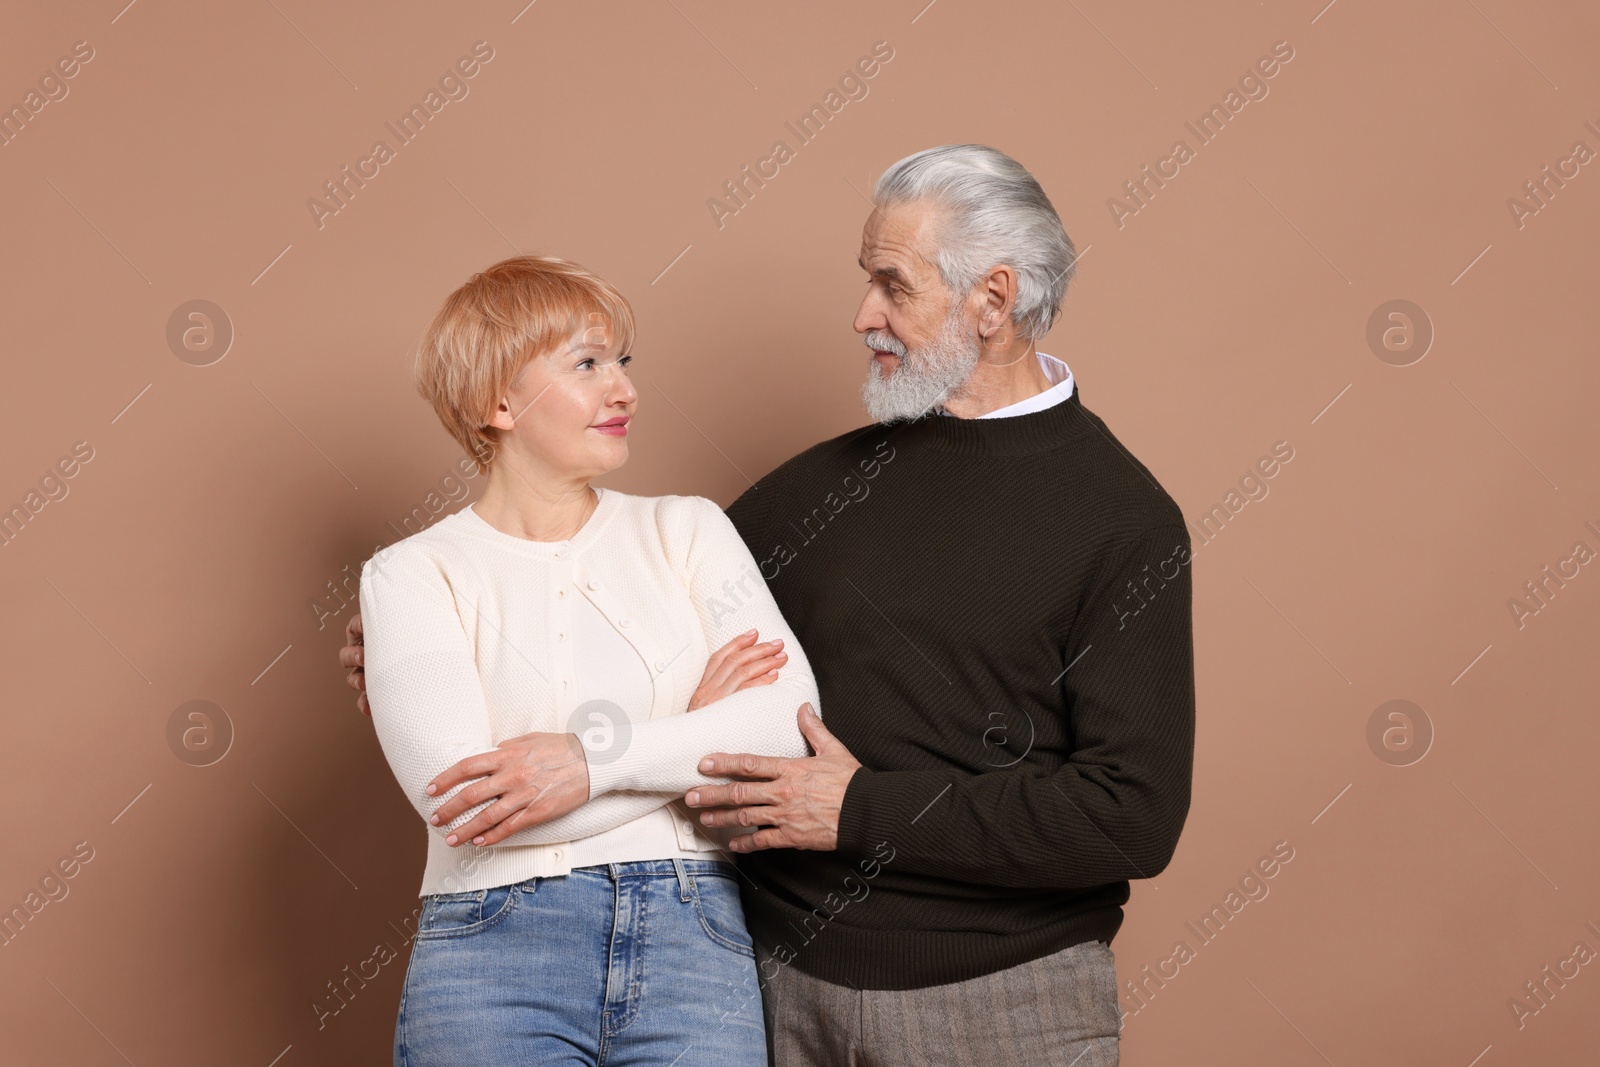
(685,881)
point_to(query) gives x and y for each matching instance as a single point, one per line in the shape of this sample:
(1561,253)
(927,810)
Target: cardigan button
(594,585)
(661,665)
(624,622)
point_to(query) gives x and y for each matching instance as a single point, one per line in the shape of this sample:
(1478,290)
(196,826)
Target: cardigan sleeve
(730,597)
(428,704)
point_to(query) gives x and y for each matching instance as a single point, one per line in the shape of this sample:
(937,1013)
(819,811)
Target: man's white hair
(995,213)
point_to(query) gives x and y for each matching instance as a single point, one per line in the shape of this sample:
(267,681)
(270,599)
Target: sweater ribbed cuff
(609,770)
(873,811)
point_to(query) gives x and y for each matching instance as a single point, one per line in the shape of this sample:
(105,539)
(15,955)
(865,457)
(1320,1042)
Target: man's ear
(998,298)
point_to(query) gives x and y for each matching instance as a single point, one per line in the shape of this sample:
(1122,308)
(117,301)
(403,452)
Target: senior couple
(855,773)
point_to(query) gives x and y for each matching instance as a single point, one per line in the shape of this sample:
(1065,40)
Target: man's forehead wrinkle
(899,234)
(879,267)
(893,261)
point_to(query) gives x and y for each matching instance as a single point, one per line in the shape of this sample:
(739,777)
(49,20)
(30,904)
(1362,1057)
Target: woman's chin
(613,456)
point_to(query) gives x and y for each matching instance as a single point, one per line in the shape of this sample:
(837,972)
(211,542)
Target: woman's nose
(619,385)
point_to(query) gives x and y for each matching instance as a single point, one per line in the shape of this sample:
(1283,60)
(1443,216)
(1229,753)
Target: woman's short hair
(489,329)
(995,213)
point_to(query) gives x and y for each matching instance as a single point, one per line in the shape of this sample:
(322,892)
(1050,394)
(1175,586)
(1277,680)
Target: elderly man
(996,601)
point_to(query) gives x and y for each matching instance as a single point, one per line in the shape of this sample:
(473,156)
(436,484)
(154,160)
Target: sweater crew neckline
(1037,431)
(587,534)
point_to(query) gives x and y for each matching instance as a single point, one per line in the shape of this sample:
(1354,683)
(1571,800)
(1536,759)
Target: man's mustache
(883,342)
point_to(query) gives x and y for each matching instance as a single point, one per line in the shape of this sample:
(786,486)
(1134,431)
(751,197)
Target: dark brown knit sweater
(998,615)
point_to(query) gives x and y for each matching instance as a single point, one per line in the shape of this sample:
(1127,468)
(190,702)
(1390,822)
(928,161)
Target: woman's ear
(501,418)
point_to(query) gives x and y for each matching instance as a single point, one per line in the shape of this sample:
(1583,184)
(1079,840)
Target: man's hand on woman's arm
(796,801)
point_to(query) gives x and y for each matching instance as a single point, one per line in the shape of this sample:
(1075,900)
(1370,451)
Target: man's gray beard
(925,378)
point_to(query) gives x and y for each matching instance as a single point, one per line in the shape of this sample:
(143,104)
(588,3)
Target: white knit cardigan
(468,643)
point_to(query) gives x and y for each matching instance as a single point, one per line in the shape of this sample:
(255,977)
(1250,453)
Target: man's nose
(870,316)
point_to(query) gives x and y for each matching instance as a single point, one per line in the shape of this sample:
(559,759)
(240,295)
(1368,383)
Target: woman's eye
(624,362)
(586,364)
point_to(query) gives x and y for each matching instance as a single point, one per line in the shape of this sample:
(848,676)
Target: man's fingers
(741,765)
(771,837)
(750,815)
(811,728)
(732,795)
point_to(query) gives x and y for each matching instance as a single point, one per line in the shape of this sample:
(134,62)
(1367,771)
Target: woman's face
(567,413)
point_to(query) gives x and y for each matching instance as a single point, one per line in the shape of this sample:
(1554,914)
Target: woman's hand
(739,664)
(538,777)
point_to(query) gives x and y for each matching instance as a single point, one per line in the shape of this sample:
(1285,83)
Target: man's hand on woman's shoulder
(353,655)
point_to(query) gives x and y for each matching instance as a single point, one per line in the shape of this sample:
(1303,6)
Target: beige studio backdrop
(1370,273)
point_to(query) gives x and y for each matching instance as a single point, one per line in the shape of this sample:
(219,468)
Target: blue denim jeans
(622,965)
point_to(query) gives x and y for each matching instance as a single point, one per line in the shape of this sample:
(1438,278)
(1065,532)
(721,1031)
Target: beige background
(1228,314)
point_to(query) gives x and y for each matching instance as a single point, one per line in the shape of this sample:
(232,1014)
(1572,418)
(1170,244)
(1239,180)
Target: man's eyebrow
(892,273)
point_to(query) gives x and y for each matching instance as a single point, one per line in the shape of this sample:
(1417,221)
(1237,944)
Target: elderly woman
(529,663)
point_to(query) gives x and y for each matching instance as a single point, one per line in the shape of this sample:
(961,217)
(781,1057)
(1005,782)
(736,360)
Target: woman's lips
(613,427)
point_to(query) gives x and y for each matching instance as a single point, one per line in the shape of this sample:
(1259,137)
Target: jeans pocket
(463,914)
(716,904)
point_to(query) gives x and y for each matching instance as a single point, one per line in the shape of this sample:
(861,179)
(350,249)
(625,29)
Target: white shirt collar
(1060,389)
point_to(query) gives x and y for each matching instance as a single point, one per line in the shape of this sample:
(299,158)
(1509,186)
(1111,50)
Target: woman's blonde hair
(490,328)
